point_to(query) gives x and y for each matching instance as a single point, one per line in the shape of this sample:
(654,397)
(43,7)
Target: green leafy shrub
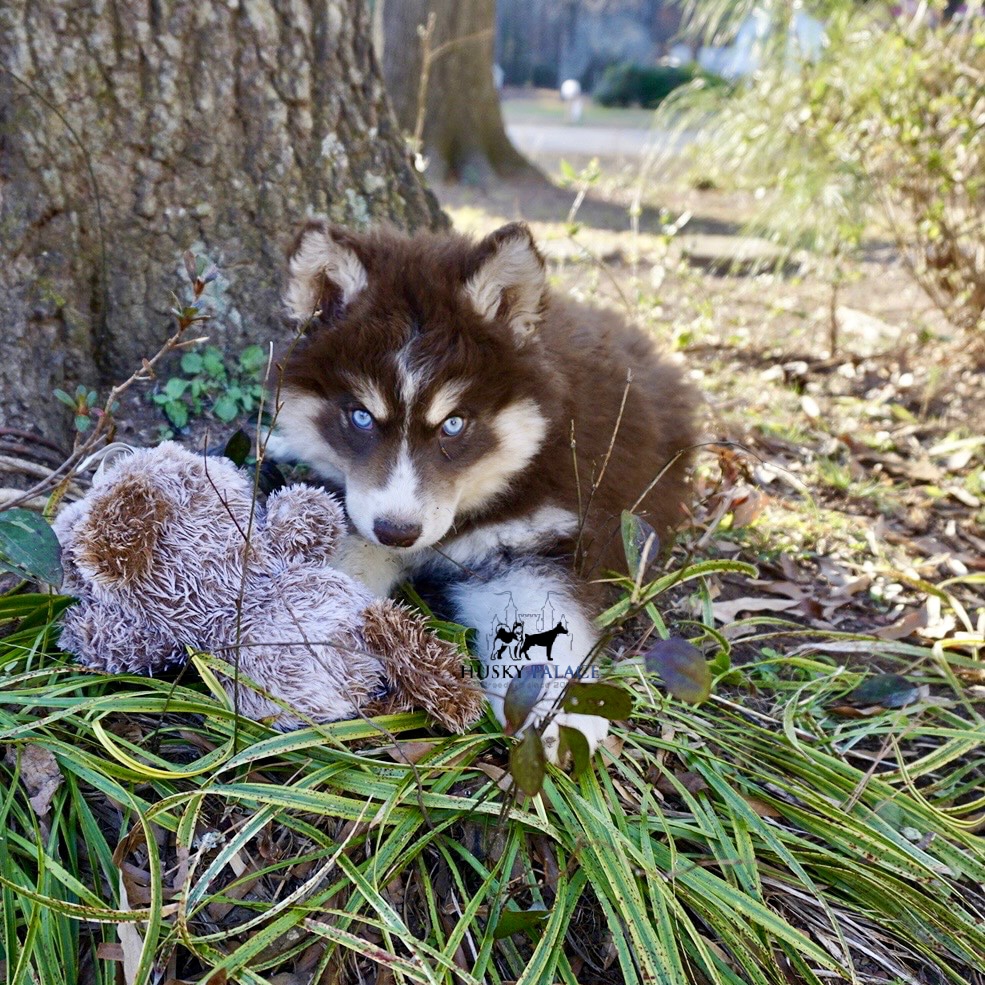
(213,385)
(885,125)
(924,145)
(629,84)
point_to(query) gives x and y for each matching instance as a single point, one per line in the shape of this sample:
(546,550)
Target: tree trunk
(463,137)
(130,132)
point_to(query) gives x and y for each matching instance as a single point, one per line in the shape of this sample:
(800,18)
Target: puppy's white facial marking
(319,256)
(520,429)
(444,401)
(401,499)
(409,379)
(297,435)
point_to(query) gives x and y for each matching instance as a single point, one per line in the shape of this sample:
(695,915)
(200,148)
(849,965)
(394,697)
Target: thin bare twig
(57,480)
(429,56)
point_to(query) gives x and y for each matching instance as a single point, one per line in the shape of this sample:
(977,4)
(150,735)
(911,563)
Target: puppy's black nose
(396,534)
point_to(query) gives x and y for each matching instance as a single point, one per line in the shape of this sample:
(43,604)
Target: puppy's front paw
(593,727)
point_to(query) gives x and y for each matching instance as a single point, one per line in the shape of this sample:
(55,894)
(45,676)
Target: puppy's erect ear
(324,273)
(506,279)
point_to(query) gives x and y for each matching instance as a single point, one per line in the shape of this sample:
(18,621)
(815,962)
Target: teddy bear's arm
(107,636)
(423,671)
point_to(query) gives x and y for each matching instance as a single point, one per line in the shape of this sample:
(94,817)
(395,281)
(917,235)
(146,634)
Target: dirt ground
(854,479)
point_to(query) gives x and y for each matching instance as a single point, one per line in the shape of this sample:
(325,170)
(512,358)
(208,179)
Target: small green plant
(213,385)
(84,404)
(628,84)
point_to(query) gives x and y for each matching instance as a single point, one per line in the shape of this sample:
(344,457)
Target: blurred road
(596,141)
(539,138)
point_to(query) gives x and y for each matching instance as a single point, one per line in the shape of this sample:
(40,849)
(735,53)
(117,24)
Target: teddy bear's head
(159,522)
(165,522)
(172,552)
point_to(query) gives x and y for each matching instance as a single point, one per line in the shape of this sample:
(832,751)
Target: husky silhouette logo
(516,634)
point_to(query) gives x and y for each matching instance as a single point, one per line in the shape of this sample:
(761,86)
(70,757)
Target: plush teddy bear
(171,550)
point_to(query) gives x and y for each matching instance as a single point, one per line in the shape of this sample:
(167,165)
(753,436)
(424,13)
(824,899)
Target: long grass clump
(758,838)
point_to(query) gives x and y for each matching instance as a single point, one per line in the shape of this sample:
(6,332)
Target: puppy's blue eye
(361,419)
(453,426)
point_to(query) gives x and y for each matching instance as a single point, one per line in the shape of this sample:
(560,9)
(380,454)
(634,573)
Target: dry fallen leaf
(131,940)
(499,776)
(108,951)
(904,627)
(692,782)
(761,807)
(39,773)
(726,612)
(747,509)
(409,752)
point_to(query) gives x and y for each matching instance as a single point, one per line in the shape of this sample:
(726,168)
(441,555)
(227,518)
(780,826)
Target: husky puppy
(483,435)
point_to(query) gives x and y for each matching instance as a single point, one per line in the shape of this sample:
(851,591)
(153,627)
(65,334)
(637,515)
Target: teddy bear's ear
(422,670)
(303,524)
(116,540)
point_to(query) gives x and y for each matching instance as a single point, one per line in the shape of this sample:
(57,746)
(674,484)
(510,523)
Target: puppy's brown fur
(590,375)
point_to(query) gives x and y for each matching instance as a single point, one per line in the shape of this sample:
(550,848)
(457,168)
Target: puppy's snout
(392,534)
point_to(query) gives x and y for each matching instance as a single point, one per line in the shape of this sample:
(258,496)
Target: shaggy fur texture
(160,553)
(483,433)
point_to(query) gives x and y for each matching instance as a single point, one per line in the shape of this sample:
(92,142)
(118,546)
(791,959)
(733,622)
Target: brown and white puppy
(480,431)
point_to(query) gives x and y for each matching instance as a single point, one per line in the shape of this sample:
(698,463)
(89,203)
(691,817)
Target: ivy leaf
(511,921)
(606,700)
(527,763)
(640,542)
(271,478)
(253,359)
(191,363)
(886,691)
(238,447)
(175,388)
(521,696)
(29,547)
(177,413)
(213,364)
(682,667)
(225,408)
(570,740)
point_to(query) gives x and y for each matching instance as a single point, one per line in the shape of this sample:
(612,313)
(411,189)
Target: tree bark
(464,138)
(131,131)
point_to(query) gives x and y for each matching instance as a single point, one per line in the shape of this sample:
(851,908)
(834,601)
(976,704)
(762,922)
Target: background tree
(447,100)
(130,132)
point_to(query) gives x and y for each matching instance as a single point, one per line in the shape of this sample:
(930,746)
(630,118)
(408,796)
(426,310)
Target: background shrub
(630,84)
(888,124)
